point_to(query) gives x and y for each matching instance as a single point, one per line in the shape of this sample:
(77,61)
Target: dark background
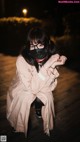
(36,8)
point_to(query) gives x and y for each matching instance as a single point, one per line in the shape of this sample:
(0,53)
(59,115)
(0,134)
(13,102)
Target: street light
(24,11)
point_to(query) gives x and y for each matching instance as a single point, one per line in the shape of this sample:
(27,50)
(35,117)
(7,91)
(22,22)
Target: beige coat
(25,87)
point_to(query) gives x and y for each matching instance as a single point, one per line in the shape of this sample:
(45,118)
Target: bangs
(38,36)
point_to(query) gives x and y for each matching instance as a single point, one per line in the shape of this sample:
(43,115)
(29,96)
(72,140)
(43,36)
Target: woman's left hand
(52,68)
(60,61)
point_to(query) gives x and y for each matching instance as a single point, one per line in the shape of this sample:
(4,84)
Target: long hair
(40,36)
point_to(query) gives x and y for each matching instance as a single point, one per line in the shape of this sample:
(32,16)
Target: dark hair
(40,36)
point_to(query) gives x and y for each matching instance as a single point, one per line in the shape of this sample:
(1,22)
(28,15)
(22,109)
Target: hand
(52,71)
(60,61)
(51,61)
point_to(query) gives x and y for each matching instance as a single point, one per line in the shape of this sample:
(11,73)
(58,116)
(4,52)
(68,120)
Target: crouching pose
(35,79)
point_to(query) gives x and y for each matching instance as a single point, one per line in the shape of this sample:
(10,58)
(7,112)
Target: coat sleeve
(33,83)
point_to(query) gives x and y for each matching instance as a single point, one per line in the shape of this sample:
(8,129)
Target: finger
(60,61)
(52,59)
(63,58)
(57,63)
(50,70)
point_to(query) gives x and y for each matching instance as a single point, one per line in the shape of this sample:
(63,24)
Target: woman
(35,79)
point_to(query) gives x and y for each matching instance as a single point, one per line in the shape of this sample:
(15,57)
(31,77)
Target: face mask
(39,54)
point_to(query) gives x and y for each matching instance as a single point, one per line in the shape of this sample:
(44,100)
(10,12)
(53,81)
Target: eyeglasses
(36,46)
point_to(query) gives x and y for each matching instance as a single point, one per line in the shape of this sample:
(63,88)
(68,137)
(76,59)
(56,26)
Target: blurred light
(24,11)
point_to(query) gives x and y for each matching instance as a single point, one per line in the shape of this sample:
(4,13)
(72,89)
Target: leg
(38,106)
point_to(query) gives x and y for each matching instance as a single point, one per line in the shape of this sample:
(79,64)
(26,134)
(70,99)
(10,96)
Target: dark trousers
(37,103)
(38,106)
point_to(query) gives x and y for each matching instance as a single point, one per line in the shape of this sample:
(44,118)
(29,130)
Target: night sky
(37,8)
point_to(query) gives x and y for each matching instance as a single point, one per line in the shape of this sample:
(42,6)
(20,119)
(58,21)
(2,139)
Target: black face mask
(39,53)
